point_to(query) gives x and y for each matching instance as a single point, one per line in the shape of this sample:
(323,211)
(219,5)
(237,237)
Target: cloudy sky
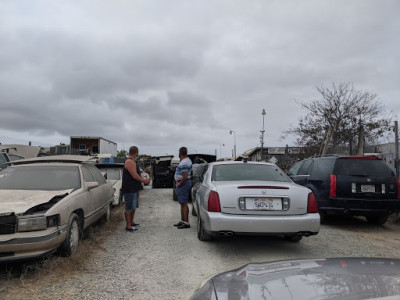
(161,74)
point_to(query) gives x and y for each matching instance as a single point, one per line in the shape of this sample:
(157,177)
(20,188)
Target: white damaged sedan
(257,198)
(45,203)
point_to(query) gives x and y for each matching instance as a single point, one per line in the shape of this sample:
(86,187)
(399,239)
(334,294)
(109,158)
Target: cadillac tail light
(398,188)
(213,202)
(312,206)
(332,190)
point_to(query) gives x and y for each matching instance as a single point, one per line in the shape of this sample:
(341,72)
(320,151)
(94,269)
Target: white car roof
(55,159)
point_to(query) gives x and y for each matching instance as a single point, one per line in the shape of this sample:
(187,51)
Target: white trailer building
(89,145)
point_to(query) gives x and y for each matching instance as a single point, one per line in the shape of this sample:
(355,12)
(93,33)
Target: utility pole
(326,142)
(360,146)
(234,143)
(262,135)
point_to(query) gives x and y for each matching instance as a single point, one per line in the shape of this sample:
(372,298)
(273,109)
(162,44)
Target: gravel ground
(161,262)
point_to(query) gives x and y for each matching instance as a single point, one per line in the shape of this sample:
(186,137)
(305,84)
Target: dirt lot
(162,262)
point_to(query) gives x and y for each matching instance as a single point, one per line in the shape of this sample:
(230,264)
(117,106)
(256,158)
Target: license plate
(368,188)
(264,203)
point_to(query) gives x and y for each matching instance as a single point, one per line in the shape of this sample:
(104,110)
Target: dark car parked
(163,172)
(354,185)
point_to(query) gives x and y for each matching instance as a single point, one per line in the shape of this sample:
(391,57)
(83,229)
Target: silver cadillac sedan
(239,197)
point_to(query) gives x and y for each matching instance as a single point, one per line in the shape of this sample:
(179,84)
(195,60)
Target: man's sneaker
(183,226)
(179,223)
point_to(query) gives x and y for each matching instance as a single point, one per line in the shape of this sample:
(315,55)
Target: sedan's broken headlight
(32,223)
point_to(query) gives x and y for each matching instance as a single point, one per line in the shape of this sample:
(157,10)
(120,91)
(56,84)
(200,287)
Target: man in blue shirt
(183,185)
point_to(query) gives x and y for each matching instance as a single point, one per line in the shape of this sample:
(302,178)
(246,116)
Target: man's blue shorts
(131,201)
(183,191)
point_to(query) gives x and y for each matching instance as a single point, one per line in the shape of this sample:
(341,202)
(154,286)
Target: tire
(294,238)
(323,217)
(377,220)
(120,197)
(107,216)
(154,184)
(194,213)
(201,234)
(70,244)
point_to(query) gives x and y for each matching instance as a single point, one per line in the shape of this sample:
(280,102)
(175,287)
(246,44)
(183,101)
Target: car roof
(56,159)
(337,156)
(233,162)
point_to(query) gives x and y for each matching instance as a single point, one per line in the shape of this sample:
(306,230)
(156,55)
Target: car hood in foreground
(19,201)
(335,278)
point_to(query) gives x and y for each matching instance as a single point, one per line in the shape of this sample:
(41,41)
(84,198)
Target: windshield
(112,173)
(244,171)
(48,178)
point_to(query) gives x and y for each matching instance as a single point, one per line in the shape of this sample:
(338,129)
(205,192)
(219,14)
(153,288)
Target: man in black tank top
(131,185)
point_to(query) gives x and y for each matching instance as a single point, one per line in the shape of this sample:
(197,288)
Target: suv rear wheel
(323,216)
(377,219)
(174,195)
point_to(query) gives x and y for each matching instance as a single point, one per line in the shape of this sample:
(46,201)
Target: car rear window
(295,169)
(112,173)
(47,178)
(362,167)
(244,171)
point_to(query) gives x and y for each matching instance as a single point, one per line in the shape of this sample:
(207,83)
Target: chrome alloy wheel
(74,236)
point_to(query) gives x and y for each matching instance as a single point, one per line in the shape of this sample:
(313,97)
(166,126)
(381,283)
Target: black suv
(354,185)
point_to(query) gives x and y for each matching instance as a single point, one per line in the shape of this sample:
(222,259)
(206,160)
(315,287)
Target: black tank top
(129,184)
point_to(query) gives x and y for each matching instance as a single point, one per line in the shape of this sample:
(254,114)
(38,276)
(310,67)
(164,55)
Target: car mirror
(92,185)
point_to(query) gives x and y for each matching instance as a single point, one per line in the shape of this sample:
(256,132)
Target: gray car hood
(332,278)
(19,201)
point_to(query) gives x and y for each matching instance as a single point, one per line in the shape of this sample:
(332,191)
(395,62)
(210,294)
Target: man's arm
(130,165)
(184,178)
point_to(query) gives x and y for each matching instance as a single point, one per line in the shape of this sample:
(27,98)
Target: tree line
(341,120)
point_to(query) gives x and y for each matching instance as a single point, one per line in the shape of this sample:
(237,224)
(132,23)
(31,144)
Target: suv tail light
(213,202)
(398,188)
(332,190)
(312,206)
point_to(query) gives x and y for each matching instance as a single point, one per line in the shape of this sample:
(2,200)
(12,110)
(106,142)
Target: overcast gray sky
(161,74)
